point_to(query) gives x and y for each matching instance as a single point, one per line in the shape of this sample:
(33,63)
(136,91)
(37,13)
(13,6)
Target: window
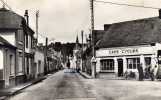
(31,42)
(20,35)
(11,62)
(20,62)
(27,64)
(107,65)
(132,63)
(26,40)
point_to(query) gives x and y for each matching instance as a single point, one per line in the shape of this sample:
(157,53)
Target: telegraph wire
(122,4)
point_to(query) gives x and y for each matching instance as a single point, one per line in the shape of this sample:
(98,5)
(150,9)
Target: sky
(63,20)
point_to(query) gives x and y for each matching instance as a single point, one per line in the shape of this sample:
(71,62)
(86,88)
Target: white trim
(124,47)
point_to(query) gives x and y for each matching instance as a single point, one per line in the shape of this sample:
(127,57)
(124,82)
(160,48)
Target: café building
(126,45)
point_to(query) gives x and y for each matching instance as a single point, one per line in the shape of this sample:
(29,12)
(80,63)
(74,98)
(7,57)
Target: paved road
(71,86)
(60,86)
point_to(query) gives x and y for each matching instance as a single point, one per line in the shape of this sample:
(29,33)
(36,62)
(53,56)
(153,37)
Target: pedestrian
(140,71)
(152,73)
(68,64)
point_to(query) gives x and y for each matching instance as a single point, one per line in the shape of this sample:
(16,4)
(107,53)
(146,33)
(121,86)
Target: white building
(126,45)
(7,63)
(39,62)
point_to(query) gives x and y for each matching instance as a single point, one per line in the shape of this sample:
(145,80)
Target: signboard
(125,51)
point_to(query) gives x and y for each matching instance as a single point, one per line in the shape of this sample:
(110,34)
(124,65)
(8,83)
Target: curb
(85,75)
(32,83)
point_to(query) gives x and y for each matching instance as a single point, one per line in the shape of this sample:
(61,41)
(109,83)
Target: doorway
(120,67)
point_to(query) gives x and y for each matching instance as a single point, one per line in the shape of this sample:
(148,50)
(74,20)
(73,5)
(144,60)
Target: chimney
(106,27)
(160,13)
(26,17)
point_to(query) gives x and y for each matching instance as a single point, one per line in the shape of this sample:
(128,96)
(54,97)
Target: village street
(64,85)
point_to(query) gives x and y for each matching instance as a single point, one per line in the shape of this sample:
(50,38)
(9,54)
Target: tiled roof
(143,31)
(9,19)
(98,35)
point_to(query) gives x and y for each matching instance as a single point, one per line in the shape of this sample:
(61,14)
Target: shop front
(119,60)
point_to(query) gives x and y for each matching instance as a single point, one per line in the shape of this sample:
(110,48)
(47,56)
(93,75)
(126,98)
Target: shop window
(132,63)
(107,65)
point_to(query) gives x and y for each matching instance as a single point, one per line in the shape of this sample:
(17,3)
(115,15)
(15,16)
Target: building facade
(127,45)
(39,62)
(14,28)
(7,64)
(119,60)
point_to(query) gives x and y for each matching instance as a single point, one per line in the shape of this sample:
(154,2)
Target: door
(120,67)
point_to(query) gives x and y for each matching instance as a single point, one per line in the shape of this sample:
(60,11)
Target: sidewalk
(4,93)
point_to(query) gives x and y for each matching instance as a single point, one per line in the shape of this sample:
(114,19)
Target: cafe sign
(124,51)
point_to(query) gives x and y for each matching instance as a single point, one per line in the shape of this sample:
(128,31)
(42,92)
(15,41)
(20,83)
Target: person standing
(140,71)
(68,64)
(152,73)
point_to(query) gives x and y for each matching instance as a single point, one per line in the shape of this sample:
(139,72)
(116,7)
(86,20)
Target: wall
(39,56)
(10,67)
(1,59)
(1,69)
(7,63)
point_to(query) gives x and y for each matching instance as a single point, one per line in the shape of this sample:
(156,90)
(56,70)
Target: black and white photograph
(80,49)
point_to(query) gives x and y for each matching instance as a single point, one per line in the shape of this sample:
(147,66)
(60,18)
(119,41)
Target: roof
(98,35)
(130,33)
(4,42)
(9,19)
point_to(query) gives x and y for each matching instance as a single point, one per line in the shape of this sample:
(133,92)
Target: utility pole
(82,50)
(92,14)
(93,60)
(45,58)
(37,24)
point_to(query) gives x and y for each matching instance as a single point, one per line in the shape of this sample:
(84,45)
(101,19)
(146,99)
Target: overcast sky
(64,19)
